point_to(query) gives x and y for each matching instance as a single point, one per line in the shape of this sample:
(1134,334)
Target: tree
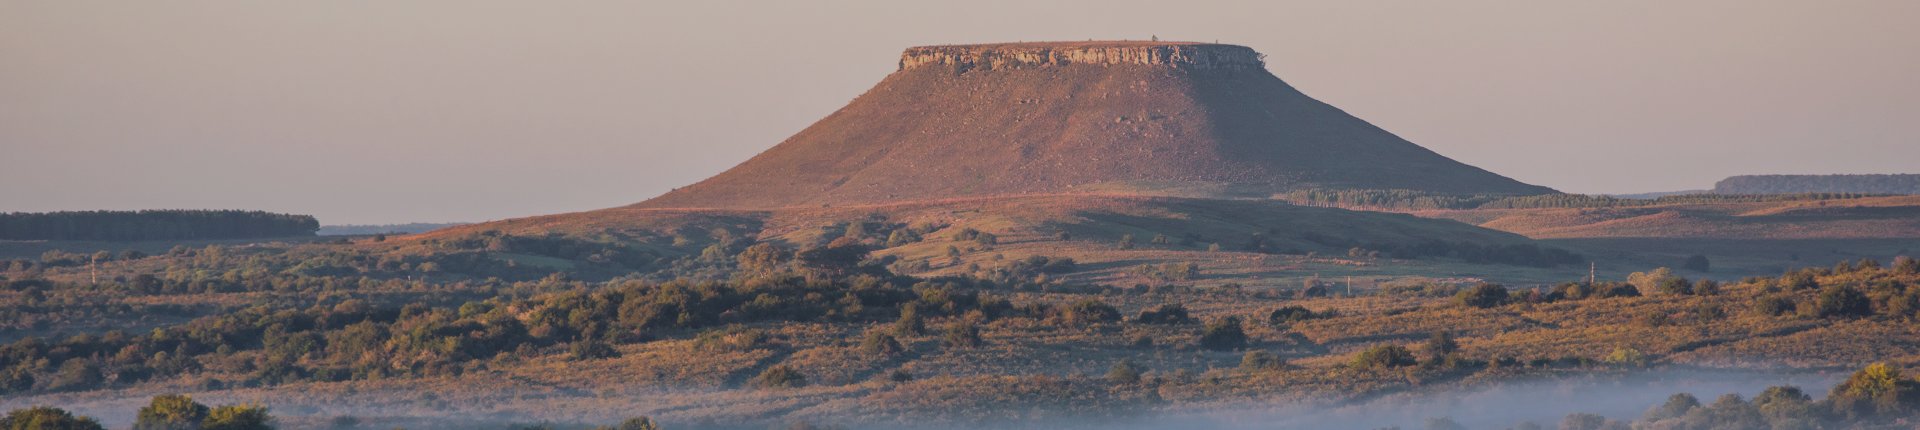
(1126,241)
(1581,421)
(1649,281)
(238,417)
(1840,301)
(1876,390)
(1124,373)
(1484,295)
(1697,263)
(171,412)
(1676,406)
(1224,334)
(1786,407)
(47,418)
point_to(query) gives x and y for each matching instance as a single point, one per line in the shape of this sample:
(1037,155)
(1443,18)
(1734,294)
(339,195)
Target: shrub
(731,338)
(1625,356)
(910,322)
(238,417)
(1224,334)
(1484,295)
(637,423)
(78,374)
(1674,285)
(899,376)
(1697,263)
(47,418)
(1383,357)
(589,349)
(1260,360)
(780,377)
(962,334)
(881,344)
(1285,316)
(1124,373)
(1906,265)
(1799,280)
(1089,311)
(1842,302)
(1775,305)
(1171,313)
(1440,345)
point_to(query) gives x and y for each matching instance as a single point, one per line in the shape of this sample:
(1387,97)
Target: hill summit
(1133,118)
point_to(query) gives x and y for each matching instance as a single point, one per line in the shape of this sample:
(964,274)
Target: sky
(363,112)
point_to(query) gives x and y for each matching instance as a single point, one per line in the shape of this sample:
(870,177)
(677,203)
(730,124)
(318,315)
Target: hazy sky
(464,110)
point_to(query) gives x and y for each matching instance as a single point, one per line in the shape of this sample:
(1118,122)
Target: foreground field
(1018,354)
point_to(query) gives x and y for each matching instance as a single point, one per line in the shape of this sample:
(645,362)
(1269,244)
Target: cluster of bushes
(1776,184)
(153,225)
(164,412)
(1877,396)
(356,340)
(1168,272)
(1034,269)
(180,412)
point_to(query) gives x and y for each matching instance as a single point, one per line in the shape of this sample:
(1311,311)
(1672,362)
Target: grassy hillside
(1845,218)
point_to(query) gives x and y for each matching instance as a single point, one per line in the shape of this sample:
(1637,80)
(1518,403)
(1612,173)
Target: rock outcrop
(1198,56)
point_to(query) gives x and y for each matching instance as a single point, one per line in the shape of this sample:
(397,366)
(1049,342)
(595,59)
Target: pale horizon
(444,111)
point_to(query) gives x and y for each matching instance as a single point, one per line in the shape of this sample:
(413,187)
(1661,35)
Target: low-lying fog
(1477,406)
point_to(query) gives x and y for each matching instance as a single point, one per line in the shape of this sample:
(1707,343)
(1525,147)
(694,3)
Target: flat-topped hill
(1147,118)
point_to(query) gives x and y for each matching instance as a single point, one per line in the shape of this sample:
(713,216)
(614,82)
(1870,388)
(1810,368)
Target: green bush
(171,412)
(1124,373)
(780,377)
(1224,334)
(1383,357)
(46,418)
(1484,295)
(1842,302)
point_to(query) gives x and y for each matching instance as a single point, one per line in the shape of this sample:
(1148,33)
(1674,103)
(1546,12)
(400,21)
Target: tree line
(153,225)
(1784,184)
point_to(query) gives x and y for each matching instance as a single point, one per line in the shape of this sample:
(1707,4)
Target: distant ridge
(1128,117)
(1793,184)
